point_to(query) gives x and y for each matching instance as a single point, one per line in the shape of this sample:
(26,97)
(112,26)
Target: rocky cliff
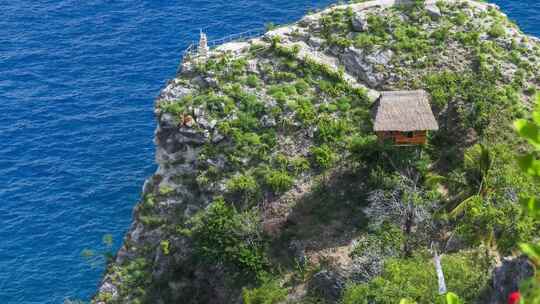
(272,189)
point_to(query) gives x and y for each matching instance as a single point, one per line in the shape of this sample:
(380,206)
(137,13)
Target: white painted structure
(203,45)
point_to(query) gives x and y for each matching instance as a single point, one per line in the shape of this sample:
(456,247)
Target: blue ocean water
(77,83)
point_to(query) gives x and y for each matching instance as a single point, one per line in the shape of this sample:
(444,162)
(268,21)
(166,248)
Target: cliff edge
(272,188)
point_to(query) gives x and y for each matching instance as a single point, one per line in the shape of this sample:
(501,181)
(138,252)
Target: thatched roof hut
(404,111)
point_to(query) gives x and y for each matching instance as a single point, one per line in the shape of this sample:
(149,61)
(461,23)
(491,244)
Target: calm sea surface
(77,84)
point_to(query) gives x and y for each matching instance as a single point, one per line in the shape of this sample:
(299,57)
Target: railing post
(192,51)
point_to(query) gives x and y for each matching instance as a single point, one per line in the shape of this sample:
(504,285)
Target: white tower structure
(203,45)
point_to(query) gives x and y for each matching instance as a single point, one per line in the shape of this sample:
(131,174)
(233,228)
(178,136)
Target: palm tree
(477,161)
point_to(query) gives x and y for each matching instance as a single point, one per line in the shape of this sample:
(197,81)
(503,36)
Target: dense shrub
(386,241)
(471,38)
(135,275)
(284,76)
(328,107)
(415,279)
(332,129)
(301,86)
(411,40)
(172,107)
(311,96)
(222,105)
(364,148)
(366,41)
(278,180)
(497,30)
(335,24)
(298,164)
(323,156)
(270,292)
(244,185)
(477,95)
(443,87)
(165,190)
(305,111)
(377,26)
(222,235)
(441,35)
(460,18)
(252,81)
(247,139)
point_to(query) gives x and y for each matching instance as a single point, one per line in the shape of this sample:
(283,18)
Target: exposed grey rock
(217,137)
(483,36)
(268,121)
(198,112)
(123,255)
(433,11)
(327,284)
(183,250)
(381,57)
(315,42)
(535,39)
(298,251)
(205,135)
(203,122)
(202,119)
(283,32)
(311,132)
(168,203)
(373,95)
(271,103)
(221,186)
(219,162)
(353,57)
(136,233)
(299,34)
(506,278)
(168,120)
(335,50)
(109,288)
(152,237)
(162,263)
(200,82)
(211,82)
(454,244)
(147,186)
(178,156)
(295,296)
(311,21)
(174,140)
(173,91)
(234,47)
(362,66)
(494,6)
(363,269)
(360,22)
(186,68)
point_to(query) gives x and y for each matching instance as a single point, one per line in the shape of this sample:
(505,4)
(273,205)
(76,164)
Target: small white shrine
(203,45)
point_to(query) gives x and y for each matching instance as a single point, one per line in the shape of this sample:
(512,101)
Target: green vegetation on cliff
(272,187)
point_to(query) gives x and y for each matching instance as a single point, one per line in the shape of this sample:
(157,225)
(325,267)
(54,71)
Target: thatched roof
(404,111)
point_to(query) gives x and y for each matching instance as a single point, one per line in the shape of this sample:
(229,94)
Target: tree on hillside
(408,207)
(530,163)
